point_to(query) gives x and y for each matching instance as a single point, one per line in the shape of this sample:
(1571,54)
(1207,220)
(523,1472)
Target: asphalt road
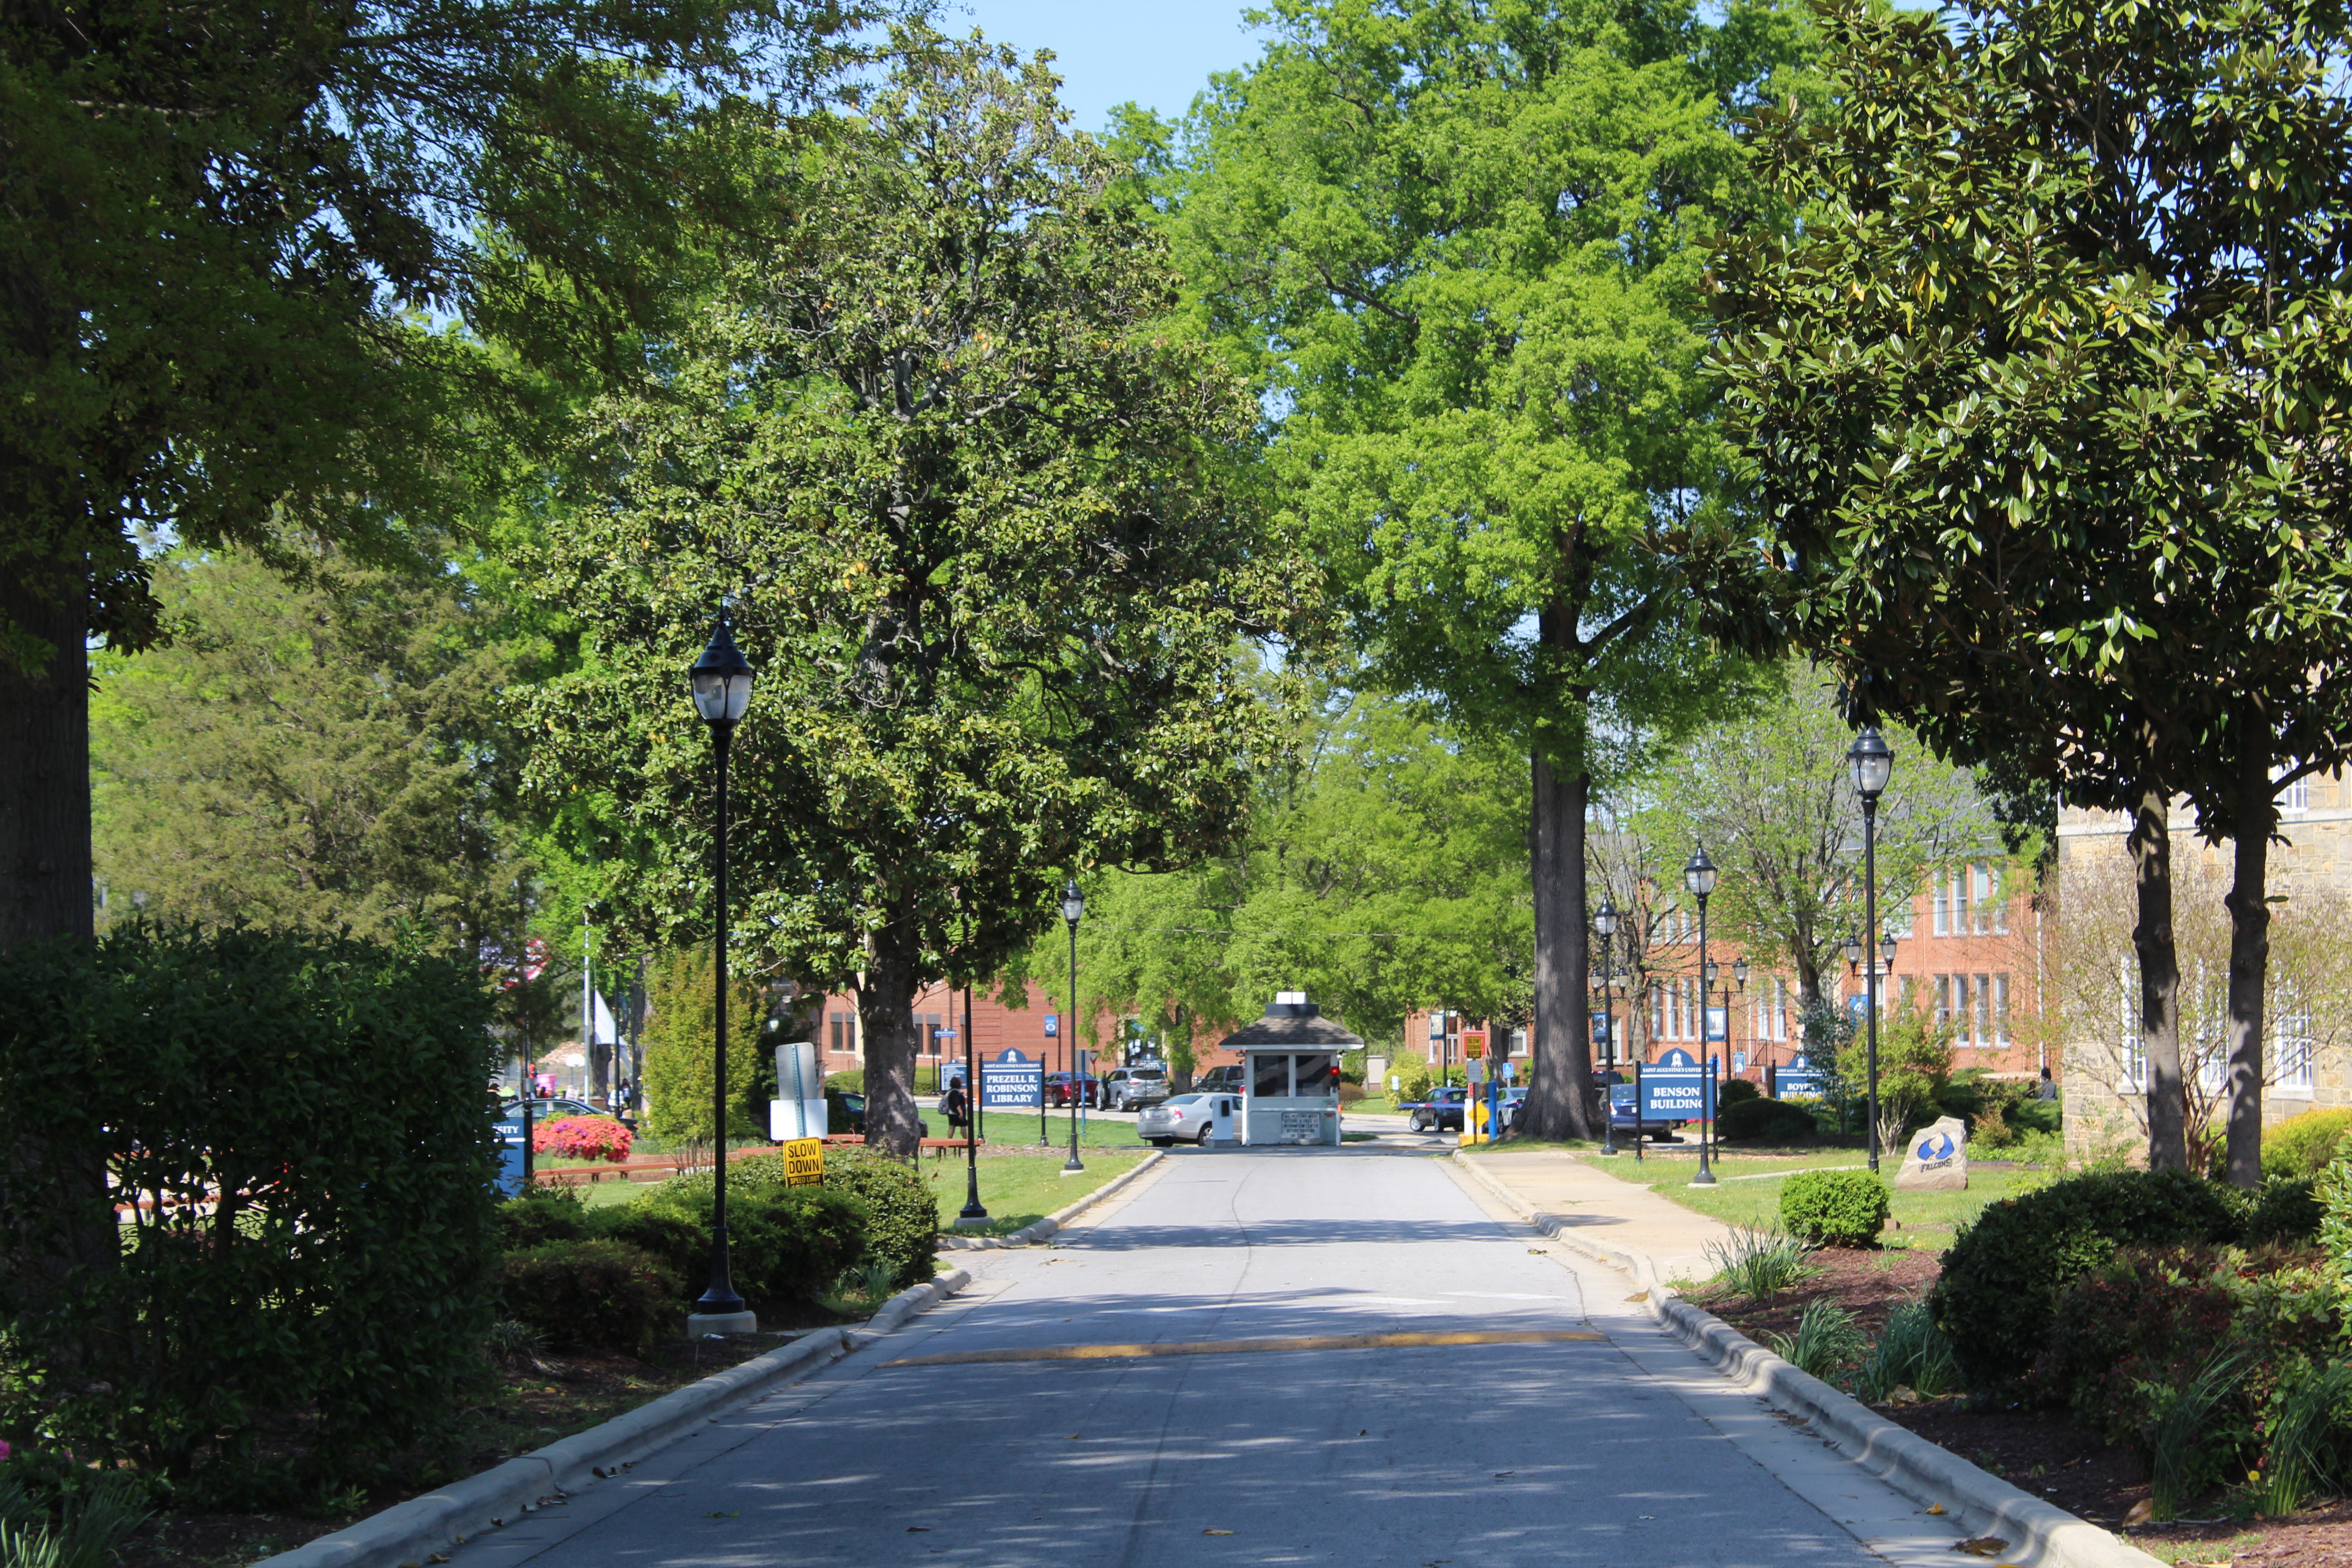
(1571,1432)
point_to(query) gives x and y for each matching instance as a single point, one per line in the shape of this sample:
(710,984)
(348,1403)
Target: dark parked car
(1227,1080)
(1624,1123)
(844,1110)
(548,1110)
(1441,1113)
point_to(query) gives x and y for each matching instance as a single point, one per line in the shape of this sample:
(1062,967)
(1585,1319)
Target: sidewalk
(1651,1238)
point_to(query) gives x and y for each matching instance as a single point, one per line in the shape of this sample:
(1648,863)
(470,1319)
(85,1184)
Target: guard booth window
(1313,1074)
(1273,1078)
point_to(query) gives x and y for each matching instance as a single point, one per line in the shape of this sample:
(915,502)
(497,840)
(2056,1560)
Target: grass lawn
(1022,1189)
(1922,1220)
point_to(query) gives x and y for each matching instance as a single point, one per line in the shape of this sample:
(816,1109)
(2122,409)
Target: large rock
(1936,1160)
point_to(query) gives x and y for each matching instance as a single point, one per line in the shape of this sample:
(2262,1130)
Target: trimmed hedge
(1834,1208)
(783,1243)
(2004,1274)
(1766,1120)
(902,1216)
(589,1295)
(330,1091)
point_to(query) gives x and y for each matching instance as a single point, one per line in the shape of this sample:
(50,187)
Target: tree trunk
(2250,954)
(2160,983)
(886,1011)
(44,870)
(1560,1103)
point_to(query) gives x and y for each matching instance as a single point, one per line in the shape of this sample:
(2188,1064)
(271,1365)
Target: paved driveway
(1512,1408)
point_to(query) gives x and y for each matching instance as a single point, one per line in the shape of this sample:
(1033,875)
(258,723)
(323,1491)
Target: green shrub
(2304,1145)
(541,1216)
(589,1295)
(331,1092)
(902,1216)
(1834,1208)
(783,1243)
(1912,1353)
(2004,1274)
(852,1081)
(676,1242)
(1736,1091)
(2282,1209)
(1767,1122)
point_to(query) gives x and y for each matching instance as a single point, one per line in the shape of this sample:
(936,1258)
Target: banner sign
(804,1162)
(1718,1023)
(1053,1025)
(1796,1077)
(1011,1082)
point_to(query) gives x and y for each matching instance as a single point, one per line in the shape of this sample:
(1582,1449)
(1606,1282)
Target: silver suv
(1124,1089)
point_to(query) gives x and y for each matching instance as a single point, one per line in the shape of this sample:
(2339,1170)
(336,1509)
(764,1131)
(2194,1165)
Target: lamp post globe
(1739,973)
(1074,910)
(1870,762)
(1853,949)
(720,684)
(1605,921)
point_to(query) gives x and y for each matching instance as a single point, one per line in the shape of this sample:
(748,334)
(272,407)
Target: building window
(1941,899)
(2295,798)
(1982,1034)
(844,1034)
(929,1044)
(2000,1011)
(2129,1046)
(2291,1046)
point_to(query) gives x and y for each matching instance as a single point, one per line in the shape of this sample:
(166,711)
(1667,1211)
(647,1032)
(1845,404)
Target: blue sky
(1108,51)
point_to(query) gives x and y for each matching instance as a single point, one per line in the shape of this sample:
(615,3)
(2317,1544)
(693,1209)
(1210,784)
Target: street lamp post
(1738,986)
(721,683)
(1074,908)
(1873,765)
(1699,876)
(1604,925)
(974,1212)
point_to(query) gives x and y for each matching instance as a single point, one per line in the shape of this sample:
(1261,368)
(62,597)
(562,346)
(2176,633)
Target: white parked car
(1184,1118)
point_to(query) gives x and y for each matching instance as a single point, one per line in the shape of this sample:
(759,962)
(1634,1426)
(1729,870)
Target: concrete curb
(2039,1533)
(407,1532)
(1031,1235)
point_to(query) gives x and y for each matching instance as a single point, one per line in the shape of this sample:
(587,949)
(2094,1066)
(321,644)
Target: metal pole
(971,1204)
(1070,1054)
(1637,1103)
(1608,1061)
(720,1300)
(522,1024)
(1870,954)
(1705,1177)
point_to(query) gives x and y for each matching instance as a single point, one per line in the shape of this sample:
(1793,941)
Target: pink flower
(581,1138)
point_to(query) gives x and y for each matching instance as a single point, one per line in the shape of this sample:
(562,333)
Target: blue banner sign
(1011,1082)
(1796,1079)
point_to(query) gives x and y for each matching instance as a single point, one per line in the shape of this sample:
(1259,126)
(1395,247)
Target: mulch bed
(2041,1451)
(1865,1281)
(533,1405)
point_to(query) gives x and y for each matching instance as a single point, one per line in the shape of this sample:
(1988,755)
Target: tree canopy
(2045,407)
(1458,246)
(990,539)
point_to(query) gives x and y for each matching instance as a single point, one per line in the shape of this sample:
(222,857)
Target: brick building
(1968,946)
(996,1028)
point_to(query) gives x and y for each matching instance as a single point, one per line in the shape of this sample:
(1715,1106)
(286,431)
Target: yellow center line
(1244,1347)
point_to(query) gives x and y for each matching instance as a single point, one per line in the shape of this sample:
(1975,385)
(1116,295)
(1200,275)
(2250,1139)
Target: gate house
(1291,1084)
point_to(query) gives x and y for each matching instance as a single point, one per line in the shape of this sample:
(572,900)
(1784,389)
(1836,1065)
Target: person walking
(958,1110)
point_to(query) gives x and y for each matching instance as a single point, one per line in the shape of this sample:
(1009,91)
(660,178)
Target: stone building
(2095,971)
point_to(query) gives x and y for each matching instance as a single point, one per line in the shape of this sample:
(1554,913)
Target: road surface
(993,1430)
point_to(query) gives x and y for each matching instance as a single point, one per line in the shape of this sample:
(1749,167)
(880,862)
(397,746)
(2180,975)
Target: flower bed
(583,1138)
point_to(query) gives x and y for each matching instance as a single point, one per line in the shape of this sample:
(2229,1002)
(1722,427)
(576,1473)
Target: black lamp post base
(1074,1168)
(1704,1179)
(972,1221)
(743,1322)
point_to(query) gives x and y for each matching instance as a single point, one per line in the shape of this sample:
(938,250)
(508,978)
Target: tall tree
(2046,408)
(222,227)
(1457,244)
(995,545)
(1385,870)
(1770,795)
(298,756)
